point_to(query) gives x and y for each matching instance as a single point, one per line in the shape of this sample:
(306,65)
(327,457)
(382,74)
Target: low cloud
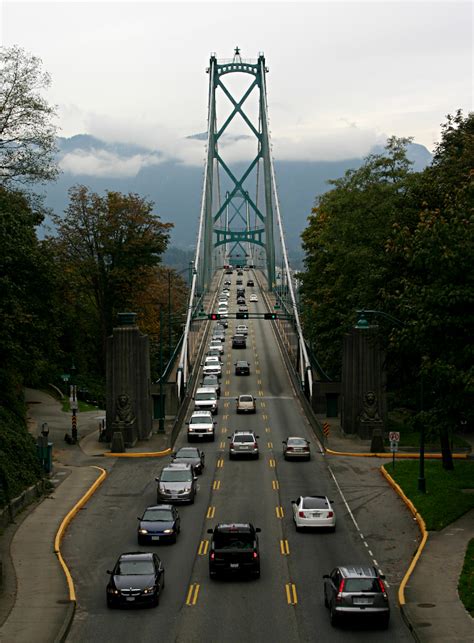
(96,162)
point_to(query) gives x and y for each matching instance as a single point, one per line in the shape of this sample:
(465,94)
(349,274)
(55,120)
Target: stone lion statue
(370,410)
(123,409)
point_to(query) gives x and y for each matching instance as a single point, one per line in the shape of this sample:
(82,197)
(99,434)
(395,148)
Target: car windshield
(315,503)
(200,420)
(187,453)
(233,540)
(243,438)
(205,396)
(242,363)
(246,398)
(362,585)
(158,515)
(135,568)
(174,475)
(210,381)
(297,442)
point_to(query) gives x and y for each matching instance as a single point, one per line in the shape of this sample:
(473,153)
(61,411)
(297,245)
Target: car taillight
(382,588)
(212,555)
(340,590)
(255,555)
(301,514)
(330,514)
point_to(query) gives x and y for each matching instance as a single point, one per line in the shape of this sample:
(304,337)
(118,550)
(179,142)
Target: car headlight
(149,590)
(168,531)
(143,531)
(112,590)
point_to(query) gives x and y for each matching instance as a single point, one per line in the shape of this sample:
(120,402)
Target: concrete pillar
(128,399)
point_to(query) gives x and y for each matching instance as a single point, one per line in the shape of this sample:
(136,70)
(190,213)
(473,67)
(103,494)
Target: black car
(234,550)
(240,292)
(241,301)
(212,381)
(138,578)
(190,455)
(250,282)
(242,368)
(158,524)
(239,282)
(239,341)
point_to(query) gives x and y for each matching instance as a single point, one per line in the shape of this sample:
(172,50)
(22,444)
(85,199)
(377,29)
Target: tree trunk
(447,456)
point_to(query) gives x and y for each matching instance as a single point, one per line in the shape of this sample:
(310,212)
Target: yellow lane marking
(291,596)
(220,463)
(279,511)
(270,445)
(193,594)
(271,462)
(284,548)
(263,405)
(257,370)
(227,382)
(260,393)
(267,429)
(275,485)
(222,444)
(226,393)
(259,381)
(226,406)
(224,429)
(228,373)
(211,512)
(203,547)
(225,417)
(264,416)
(216,485)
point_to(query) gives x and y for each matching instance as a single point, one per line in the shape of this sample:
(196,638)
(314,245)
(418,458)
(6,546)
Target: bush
(19,464)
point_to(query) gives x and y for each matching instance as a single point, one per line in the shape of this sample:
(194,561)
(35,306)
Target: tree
(109,247)
(27,134)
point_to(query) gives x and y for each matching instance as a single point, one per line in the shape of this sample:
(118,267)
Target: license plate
(362,601)
(130,598)
(316,514)
(155,538)
(234,565)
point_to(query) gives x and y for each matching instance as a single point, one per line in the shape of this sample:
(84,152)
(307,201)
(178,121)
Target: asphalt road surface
(286,603)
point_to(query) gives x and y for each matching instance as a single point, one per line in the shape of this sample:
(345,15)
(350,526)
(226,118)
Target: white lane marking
(345,502)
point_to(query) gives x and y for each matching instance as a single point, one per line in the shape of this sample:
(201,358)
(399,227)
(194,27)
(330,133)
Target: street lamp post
(363,323)
(161,419)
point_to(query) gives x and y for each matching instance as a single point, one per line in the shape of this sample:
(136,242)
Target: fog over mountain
(176,187)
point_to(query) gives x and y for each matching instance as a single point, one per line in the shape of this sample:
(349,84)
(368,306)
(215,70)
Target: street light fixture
(362,323)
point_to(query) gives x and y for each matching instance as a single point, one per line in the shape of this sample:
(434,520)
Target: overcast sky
(343,75)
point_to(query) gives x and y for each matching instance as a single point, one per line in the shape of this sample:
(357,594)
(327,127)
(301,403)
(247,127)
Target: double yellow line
(193,594)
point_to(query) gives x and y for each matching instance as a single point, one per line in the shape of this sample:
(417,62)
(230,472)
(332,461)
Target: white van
(206,400)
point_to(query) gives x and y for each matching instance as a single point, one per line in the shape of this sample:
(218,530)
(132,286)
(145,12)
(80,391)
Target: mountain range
(176,187)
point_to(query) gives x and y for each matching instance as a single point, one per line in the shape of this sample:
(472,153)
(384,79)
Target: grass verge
(444,500)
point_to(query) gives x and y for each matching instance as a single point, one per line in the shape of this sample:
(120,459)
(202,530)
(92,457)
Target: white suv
(242,329)
(201,426)
(206,400)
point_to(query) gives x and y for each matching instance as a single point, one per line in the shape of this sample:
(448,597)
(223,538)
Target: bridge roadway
(227,610)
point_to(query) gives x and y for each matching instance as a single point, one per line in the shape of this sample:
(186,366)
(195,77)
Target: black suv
(242,367)
(356,590)
(239,341)
(234,549)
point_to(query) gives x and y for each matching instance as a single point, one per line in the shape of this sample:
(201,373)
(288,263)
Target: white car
(217,344)
(313,511)
(242,329)
(201,426)
(253,297)
(212,359)
(206,400)
(212,369)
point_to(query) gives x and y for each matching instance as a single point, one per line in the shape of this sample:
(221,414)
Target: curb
(150,454)
(424,533)
(63,632)
(398,455)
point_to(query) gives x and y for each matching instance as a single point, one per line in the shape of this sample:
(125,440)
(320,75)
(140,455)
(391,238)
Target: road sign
(393,446)
(65,377)
(394,436)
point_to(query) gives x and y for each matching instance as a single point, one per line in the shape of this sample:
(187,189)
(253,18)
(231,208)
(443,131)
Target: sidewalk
(433,605)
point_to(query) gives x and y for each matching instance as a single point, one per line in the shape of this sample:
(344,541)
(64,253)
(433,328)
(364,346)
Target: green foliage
(466,580)
(389,239)
(28,136)
(19,464)
(444,500)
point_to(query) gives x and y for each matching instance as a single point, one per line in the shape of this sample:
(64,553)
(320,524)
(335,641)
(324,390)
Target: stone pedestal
(129,406)
(363,386)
